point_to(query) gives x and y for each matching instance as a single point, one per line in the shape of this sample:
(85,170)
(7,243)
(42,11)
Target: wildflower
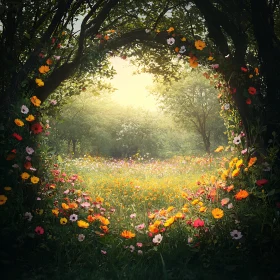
(241,195)
(34,179)
(169,222)
(217,213)
(44,69)
(64,206)
(219,149)
(104,221)
(193,62)
(36,128)
(252,90)
(103,252)
(39,82)
(24,109)
(140,252)
(230,206)
(256,71)
(153,229)
(53,102)
(170,41)
(194,202)
(39,211)
(132,216)
(29,150)
(140,227)
(235,234)
(198,223)
(227,106)
(179,215)
(56,57)
(55,211)
(73,218)
(3,199)
(28,216)
(239,163)
(237,140)
(157,239)
(105,229)
(49,61)
(202,209)
(225,201)
(244,69)
(73,205)
(252,161)
(127,234)
(200,45)
(190,239)
(30,118)
(35,101)
(81,237)
(7,188)
(132,248)
(39,230)
(17,136)
(248,101)
(183,39)
(261,182)
(139,244)
(235,172)
(170,29)
(82,224)
(25,175)
(182,49)
(244,151)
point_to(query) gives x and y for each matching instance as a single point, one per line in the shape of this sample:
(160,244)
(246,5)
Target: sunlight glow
(132,89)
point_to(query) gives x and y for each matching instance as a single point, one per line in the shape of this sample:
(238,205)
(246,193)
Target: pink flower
(244,151)
(198,223)
(29,150)
(103,252)
(39,230)
(140,227)
(224,201)
(133,215)
(85,204)
(139,244)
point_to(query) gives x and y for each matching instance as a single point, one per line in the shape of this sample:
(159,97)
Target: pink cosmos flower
(140,227)
(139,244)
(39,230)
(29,150)
(132,216)
(157,239)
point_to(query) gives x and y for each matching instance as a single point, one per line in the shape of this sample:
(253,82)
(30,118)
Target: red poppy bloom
(198,223)
(252,90)
(261,182)
(17,136)
(244,69)
(248,101)
(36,128)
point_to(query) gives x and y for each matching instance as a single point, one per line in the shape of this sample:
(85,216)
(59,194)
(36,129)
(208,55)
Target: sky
(132,88)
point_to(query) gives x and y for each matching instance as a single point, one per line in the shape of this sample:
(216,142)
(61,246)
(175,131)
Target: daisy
(157,239)
(73,218)
(235,234)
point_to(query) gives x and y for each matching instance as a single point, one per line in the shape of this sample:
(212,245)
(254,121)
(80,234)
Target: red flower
(198,223)
(244,69)
(252,90)
(17,136)
(261,182)
(248,101)
(36,128)
(39,230)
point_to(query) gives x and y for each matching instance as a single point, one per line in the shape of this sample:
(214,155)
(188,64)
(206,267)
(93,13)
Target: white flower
(73,218)
(140,252)
(190,239)
(147,30)
(237,140)
(24,109)
(81,237)
(56,57)
(230,206)
(182,49)
(227,106)
(170,41)
(158,238)
(132,248)
(29,150)
(235,234)
(133,215)
(28,216)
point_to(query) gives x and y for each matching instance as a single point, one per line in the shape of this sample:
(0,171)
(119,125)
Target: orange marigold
(241,194)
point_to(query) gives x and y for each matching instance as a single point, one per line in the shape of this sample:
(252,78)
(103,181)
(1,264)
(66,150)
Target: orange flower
(193,62)
(19,122)
(49,61)
(30,118)
(27,165)
(55,211)
(65,206)
(90,218)
(200,45)
(217,213)
(170,29)
(176,49)
(73,205)
(44,69)
(235,172)
(151,216)
(39,82)
(153,229)
(252,90)
(127,234)
(35,101)
(104,221)
(105,229)
(241,194)
(230,188)
(252,161)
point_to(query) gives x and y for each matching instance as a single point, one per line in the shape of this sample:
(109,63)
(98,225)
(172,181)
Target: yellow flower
(104,221)
(7,188)
(82,224)
(225,174)
(36,101)
(63,221)
(55,211)
(99,199)
(170,208)
(34,179)
(64,206)
(25,175)
(200,45)
(239,163)
(19,122)
(179,215)
(169,222)
(200,203)
(210,58)
(202,209)
(194,202)
(219,149)
(217,213)
(185,209)
(39,82)
(44,69)
(30,118)
(184,39)
(3,199)
(213,179)
(157,223)
(235,172)
(127,234)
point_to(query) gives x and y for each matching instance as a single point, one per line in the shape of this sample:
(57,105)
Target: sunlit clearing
(131,89)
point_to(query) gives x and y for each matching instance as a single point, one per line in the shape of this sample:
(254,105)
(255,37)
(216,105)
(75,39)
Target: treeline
(99,126)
